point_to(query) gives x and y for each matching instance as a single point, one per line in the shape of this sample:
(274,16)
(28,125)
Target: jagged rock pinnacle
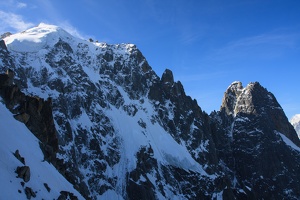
(230,97)
(255,100)
(167,77)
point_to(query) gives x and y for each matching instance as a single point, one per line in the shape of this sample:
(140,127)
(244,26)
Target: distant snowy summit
(35,38)
(295,121)
(43,36)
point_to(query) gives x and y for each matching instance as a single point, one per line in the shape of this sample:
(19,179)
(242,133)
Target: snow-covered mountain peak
(53,50)
(43,27)
(236,84)
(36,38)
(295,121)
(252,99)
(45,36)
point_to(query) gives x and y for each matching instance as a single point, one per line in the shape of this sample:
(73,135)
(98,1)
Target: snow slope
(36,38)
(15,136)
(166,149)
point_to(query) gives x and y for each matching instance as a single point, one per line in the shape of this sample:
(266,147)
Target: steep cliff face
(261,147)
(125,133)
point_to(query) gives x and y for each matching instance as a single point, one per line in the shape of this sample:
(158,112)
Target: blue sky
(207,44)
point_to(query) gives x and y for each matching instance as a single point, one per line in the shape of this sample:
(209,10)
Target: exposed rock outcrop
(34,112)
(29,193)
(19,157)
(65,195)
(230,97)
(23,172)
(47,187)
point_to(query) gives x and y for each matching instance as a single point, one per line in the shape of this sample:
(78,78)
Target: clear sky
(207,44)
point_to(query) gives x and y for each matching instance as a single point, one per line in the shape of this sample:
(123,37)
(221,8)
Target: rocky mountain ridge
(125,133)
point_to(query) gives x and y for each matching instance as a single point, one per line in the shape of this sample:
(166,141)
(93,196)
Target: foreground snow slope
(15,136)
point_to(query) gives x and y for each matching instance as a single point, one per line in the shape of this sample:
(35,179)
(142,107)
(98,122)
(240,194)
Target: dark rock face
(178,113)
(252,146)
(257,101)
(241,151)
(230,97)
(2,45)
(64,195)
(141,189)
(29,193)
(5,35)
